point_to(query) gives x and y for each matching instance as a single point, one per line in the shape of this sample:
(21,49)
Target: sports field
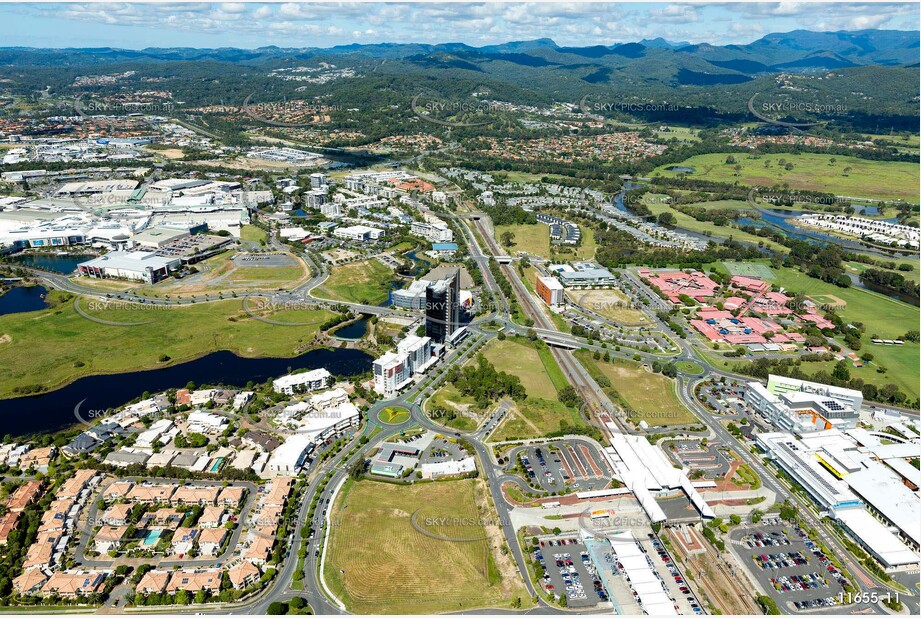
(32,350)
(647,396)
(367,282)
(535,240)
(811,172)
(427,548)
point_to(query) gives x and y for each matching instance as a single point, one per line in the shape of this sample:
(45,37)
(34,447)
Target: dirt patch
(6,339)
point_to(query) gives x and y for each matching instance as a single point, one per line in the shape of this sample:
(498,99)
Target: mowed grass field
(377,562)
(813,172)
(535,240)
(367,282)
(523,361)
(54,346)
(651,396)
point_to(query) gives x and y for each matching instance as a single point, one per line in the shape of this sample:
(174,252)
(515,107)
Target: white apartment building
(331,210)
(418,351)
(391,373)
(309,381)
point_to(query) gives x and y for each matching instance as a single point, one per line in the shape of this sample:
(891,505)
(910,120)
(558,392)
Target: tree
(507,238)
(277,608)
(847,171)
(296,603)
(666,218)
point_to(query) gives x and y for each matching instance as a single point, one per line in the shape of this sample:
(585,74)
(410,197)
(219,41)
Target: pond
(22,298)
(352,330)
(61,264)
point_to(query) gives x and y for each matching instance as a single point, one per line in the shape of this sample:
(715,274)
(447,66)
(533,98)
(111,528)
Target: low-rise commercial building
(143,266)
(300,382)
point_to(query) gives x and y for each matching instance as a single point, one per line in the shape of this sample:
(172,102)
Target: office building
(315,198)
(412,297)
(332,210)
(435,231)
(442,308)
(359,233)
(550,290)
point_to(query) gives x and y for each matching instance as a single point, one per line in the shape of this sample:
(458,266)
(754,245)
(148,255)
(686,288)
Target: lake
(23,298)
(62,264)
(55,410)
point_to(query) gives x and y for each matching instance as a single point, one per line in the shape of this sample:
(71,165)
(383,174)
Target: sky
(286,24)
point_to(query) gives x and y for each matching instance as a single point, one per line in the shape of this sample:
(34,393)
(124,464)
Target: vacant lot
(523,361)
(379,562)
(57,345)
(253,233)
(534,418)
(651,396)
(612,304)
(367,282)
(535,240)
(811,172)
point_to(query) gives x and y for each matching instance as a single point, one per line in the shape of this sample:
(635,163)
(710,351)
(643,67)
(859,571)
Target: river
(55,410)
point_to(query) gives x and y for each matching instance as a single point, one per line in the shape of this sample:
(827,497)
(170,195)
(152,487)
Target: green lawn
(813,172)
(525,362)
(54,346)
(367,282)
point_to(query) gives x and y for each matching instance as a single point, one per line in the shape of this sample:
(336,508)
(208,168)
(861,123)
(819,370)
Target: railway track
(588,390)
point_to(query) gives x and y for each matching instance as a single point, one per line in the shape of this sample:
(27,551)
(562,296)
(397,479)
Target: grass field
(812,172)
(651,396)
(367,282)
(535,240)
(54,346)
(541,377)
(378,562)
(525,362)
(253,233)
(612,304)
(449,398)
(534,418)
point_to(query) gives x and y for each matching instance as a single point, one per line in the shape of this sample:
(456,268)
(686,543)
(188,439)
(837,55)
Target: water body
(352,330)
(23,298)
(680,169)
(62,264)
(54,411)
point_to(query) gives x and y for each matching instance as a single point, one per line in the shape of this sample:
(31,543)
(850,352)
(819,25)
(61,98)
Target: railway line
(588,390)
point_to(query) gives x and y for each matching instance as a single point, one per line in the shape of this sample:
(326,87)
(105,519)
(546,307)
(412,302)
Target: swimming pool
(152,537)
(216,465)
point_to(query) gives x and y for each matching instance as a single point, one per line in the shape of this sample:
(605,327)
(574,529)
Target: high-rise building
(442,307)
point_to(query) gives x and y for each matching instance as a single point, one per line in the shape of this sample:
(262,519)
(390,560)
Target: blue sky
(249,25)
